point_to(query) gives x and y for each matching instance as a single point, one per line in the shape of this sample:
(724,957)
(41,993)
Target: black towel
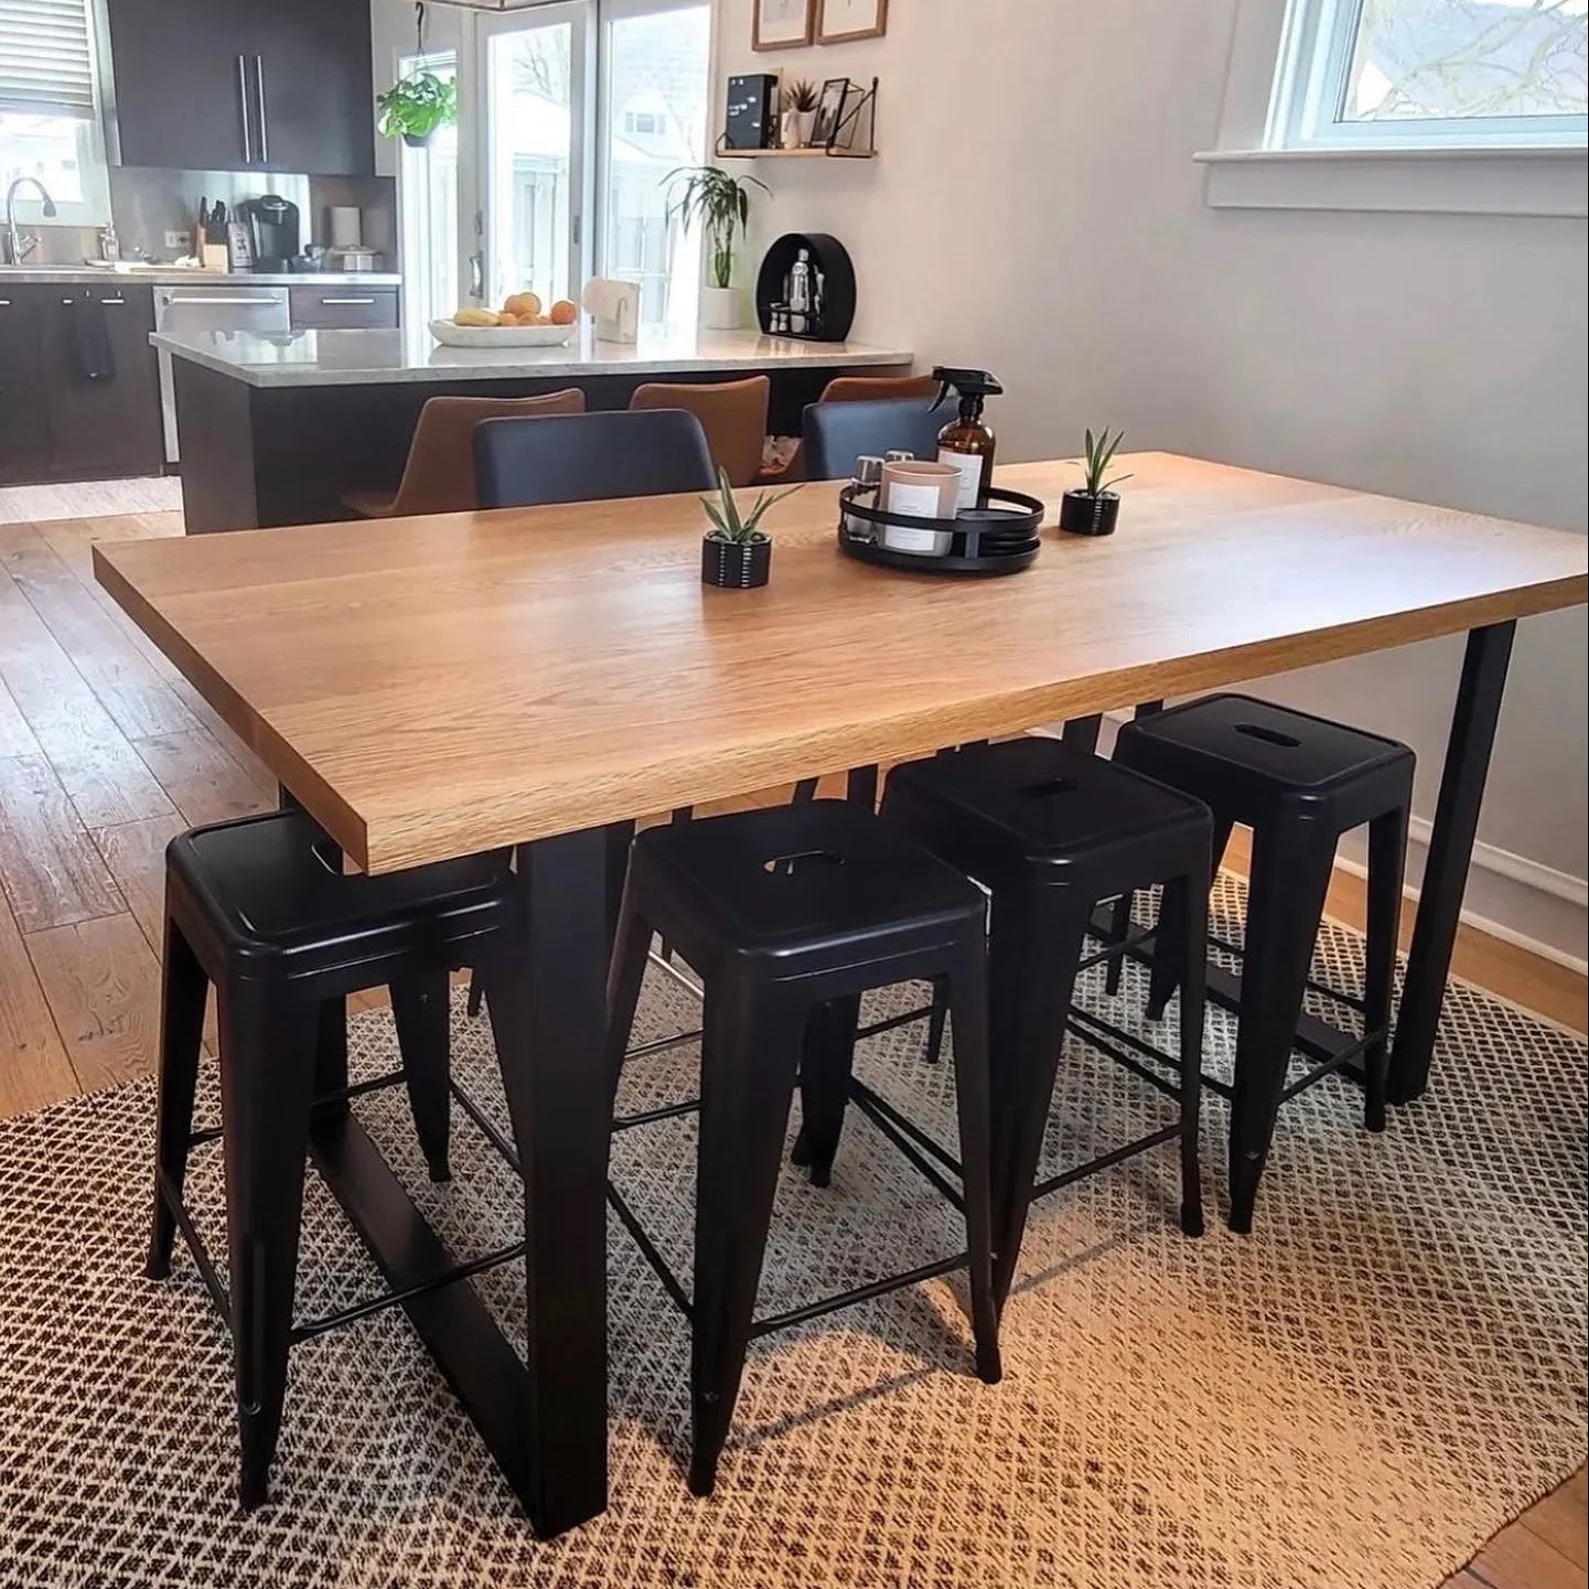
(96,359)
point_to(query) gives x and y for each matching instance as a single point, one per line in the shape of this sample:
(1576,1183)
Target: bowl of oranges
(519,323)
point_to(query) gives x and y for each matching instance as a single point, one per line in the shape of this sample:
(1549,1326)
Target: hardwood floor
(105,753)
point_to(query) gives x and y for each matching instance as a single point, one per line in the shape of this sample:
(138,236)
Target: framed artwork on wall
(781,24)
(839,21)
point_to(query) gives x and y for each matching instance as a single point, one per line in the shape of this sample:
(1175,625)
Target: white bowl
(456,336)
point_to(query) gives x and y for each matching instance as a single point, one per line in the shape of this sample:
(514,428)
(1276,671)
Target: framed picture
(830,111)
(781,24)
(839,21)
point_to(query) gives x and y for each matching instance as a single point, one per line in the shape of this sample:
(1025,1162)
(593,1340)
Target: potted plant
(1092,509)
(797,106)
(736,554)
(415,106)
(721,204)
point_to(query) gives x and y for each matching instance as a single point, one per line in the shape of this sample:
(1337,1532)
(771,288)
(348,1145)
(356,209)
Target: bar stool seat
(1050,830)
(785,913)
(260,909)
(1299,782)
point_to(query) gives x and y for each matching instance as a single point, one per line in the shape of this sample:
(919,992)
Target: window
(569,112)
(655,61)
(428,181)
(1431,74)
(49,121)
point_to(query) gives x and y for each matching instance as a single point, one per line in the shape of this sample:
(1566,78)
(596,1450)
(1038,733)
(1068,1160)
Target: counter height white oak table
(431,688)
(279,429)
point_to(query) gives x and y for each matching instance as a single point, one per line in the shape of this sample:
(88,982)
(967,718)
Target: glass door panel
(533,68)
(656,62)
(429,209)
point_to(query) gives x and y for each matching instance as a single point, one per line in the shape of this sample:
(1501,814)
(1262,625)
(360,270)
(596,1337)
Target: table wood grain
(432,687)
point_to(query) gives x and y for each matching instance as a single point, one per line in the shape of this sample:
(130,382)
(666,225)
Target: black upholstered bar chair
(788,914)
(260,910)
(836,434)
(530,463)
(1299,782)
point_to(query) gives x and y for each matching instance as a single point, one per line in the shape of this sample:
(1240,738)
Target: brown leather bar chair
(732,413)
(856,389)
(439,474)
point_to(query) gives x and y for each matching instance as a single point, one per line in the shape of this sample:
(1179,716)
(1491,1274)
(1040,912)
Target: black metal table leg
(546,995)
(1445,875)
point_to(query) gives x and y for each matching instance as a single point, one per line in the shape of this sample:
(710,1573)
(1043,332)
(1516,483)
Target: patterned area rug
(1358,1395)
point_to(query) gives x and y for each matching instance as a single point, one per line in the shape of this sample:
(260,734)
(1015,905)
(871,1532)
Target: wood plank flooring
(105,753)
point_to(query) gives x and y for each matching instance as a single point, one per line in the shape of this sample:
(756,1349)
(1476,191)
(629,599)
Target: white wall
(1439,357)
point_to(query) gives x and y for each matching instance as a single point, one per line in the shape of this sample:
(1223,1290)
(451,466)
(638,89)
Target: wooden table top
(433,687)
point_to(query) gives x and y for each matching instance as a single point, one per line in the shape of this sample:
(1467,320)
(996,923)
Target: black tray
(1003,539)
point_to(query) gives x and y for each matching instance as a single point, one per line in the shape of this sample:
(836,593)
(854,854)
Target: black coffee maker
(273,231)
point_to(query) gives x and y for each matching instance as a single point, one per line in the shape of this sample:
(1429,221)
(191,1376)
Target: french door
(572,117)
(535,75)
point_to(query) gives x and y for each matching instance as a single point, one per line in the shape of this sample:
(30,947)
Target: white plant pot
(722,308)
(806,121)
(789,133)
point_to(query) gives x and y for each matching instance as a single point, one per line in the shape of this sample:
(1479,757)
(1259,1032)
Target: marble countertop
(174,276)
(379,358)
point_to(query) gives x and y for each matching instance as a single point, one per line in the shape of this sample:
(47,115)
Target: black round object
(1082,513)
(832,259)
(735,565)
(1001,538)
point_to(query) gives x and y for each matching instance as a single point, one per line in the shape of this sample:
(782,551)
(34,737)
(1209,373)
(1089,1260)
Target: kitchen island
(279,429)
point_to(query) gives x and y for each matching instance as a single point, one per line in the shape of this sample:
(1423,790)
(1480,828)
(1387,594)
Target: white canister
(347,226)
(920,489)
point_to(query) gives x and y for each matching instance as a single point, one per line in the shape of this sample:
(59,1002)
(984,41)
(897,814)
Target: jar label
(969,466)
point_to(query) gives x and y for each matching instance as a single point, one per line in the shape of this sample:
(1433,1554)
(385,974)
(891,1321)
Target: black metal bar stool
(784,912)
(1049,830)
(260,909)
(1299,782)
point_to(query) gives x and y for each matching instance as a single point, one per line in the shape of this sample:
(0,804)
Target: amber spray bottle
(966,443)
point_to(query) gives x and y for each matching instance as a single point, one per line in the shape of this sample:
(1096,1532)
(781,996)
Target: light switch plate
(179,239)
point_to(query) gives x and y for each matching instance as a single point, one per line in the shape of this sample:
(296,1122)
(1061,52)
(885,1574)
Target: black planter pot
(735,565)
(418,140)
(1082,513)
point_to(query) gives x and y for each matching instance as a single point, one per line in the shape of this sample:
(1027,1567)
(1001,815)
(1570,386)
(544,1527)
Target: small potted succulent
(721,204)
(1092,509)
(415,107)
(736,554)
(797,113)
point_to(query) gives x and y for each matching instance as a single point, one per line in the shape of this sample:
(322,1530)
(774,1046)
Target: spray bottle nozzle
(970,384)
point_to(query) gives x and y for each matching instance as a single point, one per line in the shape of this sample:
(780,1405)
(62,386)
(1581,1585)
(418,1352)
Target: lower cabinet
(89,385)
(329,307)
(24,426)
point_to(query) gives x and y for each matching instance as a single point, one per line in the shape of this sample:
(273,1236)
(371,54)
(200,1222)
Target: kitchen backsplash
(148,203)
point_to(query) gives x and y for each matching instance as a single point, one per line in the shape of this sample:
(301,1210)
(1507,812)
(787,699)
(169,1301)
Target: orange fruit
(522,303)
(564,313)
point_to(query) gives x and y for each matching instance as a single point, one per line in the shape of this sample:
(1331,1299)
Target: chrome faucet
(19,247)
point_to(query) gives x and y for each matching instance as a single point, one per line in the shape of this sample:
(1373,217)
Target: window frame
(1312,77)
(1245,169)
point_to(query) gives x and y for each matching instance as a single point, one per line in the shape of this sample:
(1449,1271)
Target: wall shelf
(860,112)
(820,153)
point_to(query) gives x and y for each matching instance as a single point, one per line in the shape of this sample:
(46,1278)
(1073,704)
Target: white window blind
(46,61)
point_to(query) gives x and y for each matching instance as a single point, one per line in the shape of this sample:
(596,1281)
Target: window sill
(1438,181)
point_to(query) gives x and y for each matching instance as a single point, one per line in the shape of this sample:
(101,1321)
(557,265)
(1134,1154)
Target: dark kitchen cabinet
(333,307)
(102,393)
(79,384)
(235,85)
(24,426)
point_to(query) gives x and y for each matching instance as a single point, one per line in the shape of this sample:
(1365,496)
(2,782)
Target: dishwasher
(263,310)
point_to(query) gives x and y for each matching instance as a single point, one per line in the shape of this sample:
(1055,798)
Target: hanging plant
(415,107)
